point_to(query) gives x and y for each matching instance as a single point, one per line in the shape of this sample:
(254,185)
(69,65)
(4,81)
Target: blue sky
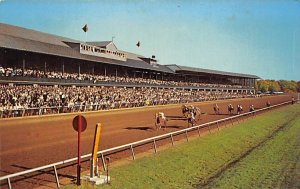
(254,37)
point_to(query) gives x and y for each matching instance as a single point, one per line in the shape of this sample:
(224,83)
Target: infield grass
(262,152)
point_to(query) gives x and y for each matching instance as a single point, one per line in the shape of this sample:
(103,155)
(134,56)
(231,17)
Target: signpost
(79,124)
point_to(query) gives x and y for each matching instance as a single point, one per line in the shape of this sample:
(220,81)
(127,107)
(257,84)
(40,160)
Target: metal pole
(103,162)
(107,159)
(132,152)
(199,131)
(209,129)
(23,68)
(56,177)
(218,126)
(155,150)
(91,168)
(63,68)
(23,113)
(186,135)
(9,183)
(172,140)
(79,149)
(79,69)
(45,68)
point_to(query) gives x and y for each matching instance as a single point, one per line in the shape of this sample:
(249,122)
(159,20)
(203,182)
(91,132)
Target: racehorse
(187,110)
(230,109)
(160,120)
(191,119)
(239,109)
(216,109)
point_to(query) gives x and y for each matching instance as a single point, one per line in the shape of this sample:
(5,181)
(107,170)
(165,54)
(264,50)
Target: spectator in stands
(24,100)
(11,72)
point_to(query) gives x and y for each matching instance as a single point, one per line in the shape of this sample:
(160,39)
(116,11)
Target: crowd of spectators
(26,100)
(10,72)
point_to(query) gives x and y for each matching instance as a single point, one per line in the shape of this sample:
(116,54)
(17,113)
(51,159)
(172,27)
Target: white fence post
(56,177)
(172,140)
(132,152)
(199,131)
(9,183)
(186,135)
(103,162)
(155,150)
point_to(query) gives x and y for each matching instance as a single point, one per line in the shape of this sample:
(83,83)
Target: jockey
(161,115)
(230,108)
(160,120)
(192,108)
(239,109)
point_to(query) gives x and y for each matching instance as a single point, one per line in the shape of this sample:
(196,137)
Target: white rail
(130,146)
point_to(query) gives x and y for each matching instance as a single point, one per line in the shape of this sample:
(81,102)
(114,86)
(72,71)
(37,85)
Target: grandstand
(24,49)
(31,58)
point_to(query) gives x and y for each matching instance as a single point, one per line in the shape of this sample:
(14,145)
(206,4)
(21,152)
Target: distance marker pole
(79,150)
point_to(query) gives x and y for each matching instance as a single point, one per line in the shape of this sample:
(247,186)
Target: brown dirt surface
(31,142)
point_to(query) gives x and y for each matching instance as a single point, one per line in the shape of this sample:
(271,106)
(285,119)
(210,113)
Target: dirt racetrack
(35,141)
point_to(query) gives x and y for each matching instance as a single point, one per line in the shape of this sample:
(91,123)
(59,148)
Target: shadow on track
(140,128)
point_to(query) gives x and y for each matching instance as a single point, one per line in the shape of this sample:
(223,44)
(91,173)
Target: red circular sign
(82,122)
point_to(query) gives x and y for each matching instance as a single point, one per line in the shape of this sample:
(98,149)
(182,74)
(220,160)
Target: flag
(138,44)
(85,28)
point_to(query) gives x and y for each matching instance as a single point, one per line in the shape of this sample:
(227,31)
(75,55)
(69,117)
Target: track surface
(35,141)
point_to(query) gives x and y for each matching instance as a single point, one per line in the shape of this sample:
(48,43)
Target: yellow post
(95,149)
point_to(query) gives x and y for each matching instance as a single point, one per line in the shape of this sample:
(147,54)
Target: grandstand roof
(99,43)
(17,38)
(180,69)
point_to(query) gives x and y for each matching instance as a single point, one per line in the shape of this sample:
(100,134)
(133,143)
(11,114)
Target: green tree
(262,86)
(288,86)
(273,86)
